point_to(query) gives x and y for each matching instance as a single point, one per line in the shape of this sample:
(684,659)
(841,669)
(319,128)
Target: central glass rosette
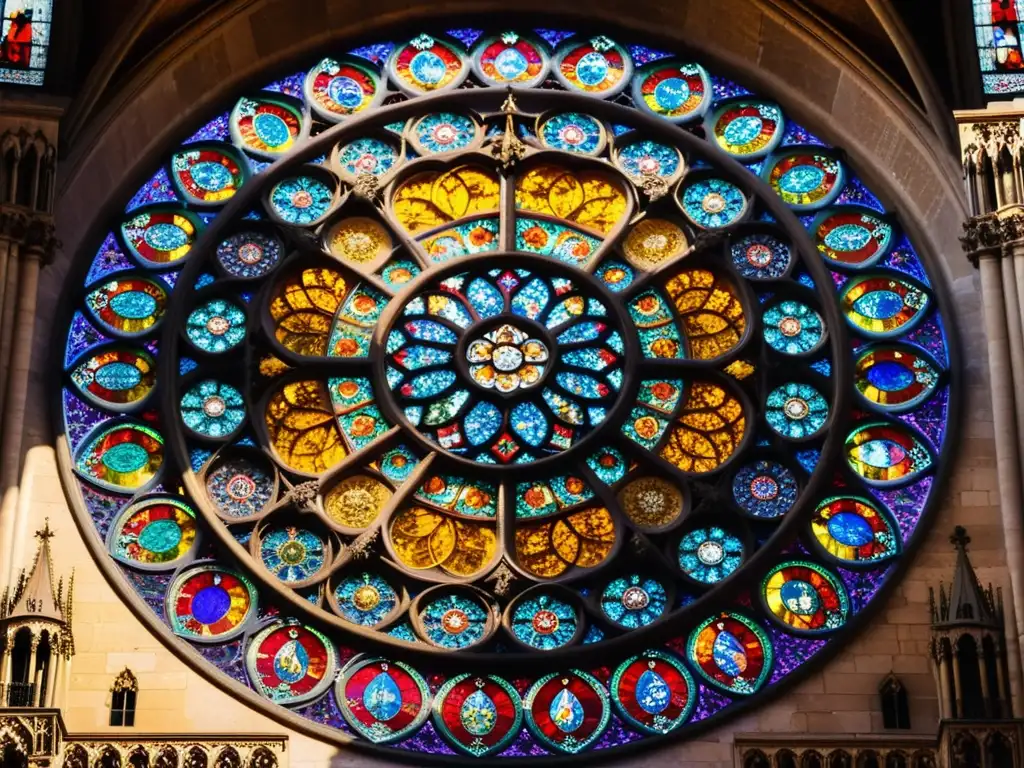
(509,360)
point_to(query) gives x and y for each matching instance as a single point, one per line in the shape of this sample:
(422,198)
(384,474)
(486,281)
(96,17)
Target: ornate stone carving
(125,681)
(993,233)
(41,239)
(367,187)
(981,234)
(502,578)
(653,186)
(508,149)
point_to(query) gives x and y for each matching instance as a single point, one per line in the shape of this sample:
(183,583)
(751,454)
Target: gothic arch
(227,757)
(167,757)
(14,732)
(195,757)
(261,757)
(76,756)
(107,756)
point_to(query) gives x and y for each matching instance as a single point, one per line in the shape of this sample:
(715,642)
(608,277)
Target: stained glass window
(25,40)
(506,381)
(1000,53)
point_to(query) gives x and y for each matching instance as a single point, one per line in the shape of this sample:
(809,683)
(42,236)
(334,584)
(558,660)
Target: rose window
(372,407)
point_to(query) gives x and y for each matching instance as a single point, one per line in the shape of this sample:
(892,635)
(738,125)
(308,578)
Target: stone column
(37,689)
(54,678)
(1015,340)
(5,671)
(7,316)
(983,240)
(946,705)
(1005,700)
(30,677)
(17,378)
(986,694)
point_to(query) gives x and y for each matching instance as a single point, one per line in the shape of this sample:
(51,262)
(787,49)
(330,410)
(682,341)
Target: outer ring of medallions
(544,100)
(529,101)
(544,265)
(476,331)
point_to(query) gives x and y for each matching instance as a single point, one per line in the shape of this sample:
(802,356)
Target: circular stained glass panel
(520,379)
(210,604)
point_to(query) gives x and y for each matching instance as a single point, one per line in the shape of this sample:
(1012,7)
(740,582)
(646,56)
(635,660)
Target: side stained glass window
(997,25)
(505,379)
(24,40)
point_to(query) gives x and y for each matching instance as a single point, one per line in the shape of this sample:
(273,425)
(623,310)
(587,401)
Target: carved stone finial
(367,187)
(502,578)
(509,149)
(653,186)
(960,539)
(360,548)
(45,534)
(303,495)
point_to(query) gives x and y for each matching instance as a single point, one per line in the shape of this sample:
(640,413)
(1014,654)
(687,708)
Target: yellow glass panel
(651,502)
(711,426)
(359,240)
(271,366)
(587,198)
(597,531)
(584,539)
(566,542)
(434,198)
(535,551)
(740,370)
(356,501)
(424,538)
(303,308)
(476,546)
(711,312)
(654,242)
(302,429)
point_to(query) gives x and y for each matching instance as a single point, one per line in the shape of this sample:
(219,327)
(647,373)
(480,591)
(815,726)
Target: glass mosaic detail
(545,622)
(709,555)
(154,533)
(713,203)
(806,597)
(514,398)
(793,328)
(567,374)
(633,601)
(765,489)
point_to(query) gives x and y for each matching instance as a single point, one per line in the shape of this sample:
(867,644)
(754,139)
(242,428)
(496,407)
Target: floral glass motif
(556,384)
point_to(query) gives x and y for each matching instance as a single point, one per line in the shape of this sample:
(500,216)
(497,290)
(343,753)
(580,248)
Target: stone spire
(35,595)
(967,603)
